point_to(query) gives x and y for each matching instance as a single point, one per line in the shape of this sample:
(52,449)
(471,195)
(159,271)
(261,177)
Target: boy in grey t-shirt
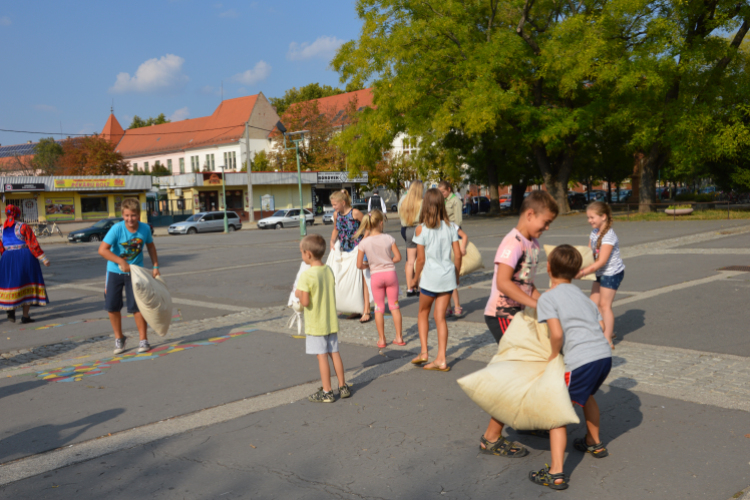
(575,330)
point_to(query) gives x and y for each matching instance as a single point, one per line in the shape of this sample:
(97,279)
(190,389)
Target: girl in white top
(608,265)
(435,238)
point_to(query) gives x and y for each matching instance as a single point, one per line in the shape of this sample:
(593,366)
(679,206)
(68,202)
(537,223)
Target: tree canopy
(564,85)
(306,93)
(139,122)
(91,155)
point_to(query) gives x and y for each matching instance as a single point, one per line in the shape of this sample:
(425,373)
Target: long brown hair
(433,209)
(600,208)
(412,203)
(369,221)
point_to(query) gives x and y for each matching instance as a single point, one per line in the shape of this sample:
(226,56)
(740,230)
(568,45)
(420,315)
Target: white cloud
(5,21)
(161,74)
(324,46)
(231,13)
(180,114)
(258,73)
(45,107)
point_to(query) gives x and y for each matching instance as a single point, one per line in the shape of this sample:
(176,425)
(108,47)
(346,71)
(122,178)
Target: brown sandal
(419,360)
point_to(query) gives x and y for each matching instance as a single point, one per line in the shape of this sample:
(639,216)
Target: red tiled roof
(336,105)
(112,130)
(225,125)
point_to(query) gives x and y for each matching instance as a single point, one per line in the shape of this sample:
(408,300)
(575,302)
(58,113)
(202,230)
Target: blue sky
(66,61)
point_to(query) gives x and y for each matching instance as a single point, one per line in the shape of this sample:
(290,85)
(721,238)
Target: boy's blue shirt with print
(127,245)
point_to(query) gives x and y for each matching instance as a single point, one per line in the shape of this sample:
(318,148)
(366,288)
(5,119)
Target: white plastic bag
(520,387)
(349,291)
(294,301)
(153,299)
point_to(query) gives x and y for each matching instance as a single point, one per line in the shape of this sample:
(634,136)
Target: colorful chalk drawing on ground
(75,373)
(175,318)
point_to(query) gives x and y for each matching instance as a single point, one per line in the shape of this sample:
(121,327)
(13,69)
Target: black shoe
(12,316)
(27,319)
(412,293)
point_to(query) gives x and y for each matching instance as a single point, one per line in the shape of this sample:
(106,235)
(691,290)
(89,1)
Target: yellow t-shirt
(320,314)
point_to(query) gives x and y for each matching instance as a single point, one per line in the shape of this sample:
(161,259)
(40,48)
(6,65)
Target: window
(169,166)
(145,167)
(234,160)
(135,167)
(211,162)
(157,163)
(226,162)
(182,165)
(94,207)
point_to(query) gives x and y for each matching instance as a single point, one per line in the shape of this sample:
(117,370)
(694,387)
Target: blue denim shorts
(611,282)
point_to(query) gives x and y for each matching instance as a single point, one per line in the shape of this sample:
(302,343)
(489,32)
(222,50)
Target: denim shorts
(113,289)
(322,344)
(611,282)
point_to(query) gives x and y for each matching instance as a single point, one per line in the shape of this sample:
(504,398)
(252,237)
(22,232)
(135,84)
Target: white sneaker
(144,346)
(120,345)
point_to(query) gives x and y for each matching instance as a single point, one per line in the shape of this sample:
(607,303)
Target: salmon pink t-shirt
(523,256)
(379,252)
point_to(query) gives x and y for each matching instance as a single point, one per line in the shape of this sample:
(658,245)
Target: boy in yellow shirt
(316,291)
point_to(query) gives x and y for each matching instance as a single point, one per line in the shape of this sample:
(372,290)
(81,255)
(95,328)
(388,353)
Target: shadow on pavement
(53,436)
(630,321)
(20,387)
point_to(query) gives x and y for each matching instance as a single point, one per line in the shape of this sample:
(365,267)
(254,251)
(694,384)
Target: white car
(286,218)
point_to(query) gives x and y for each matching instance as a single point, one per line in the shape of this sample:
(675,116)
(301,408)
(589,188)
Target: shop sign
(341,177)
(117,182)
(212,180)
(25,187)
(267,203)
(60,209)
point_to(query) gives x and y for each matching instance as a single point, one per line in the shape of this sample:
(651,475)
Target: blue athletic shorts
(611,282)
(432,294)
(116,282)
(585,380)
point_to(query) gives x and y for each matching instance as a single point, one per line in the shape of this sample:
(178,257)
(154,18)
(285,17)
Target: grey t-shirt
(583,339)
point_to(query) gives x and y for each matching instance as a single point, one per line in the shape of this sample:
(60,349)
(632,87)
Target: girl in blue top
(435,237)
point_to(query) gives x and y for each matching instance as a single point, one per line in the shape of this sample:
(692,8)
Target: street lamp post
(224,190)
(303,216)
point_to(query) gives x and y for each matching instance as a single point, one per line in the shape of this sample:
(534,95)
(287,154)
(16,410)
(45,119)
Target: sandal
(503,448)
(401,343)
(544,478)
(597,450)
(449,313)
(382,345)
(437,368)
(362,320)
(420,360)
(459,313)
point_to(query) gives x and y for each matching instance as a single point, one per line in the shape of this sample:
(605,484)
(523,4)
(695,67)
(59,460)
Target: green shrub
(678,207)
(699,198)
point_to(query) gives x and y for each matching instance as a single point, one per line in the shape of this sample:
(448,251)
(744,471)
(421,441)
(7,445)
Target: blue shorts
(432,294)
(611,282)
(116,282)
(585,380)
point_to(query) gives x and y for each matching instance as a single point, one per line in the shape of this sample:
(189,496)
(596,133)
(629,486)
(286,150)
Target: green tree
(260,162)
(47,155)
(306,93)
(139,122)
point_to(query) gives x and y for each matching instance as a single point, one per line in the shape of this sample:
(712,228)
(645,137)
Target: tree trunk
(516,195)
(556,173)
(647,189)
(492,184)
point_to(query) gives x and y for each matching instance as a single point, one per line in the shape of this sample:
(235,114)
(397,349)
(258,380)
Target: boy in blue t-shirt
(122,247)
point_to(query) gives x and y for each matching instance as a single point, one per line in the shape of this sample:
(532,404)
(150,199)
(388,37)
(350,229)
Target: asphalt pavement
(405,433)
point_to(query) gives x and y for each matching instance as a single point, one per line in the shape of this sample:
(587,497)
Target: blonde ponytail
(371,220)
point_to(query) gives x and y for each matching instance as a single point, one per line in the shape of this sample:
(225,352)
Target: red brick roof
(336,105)
(112,130)
(225,125)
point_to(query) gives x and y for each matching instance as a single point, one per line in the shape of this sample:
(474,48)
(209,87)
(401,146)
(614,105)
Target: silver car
(328,217)
(286,218)
(206,222)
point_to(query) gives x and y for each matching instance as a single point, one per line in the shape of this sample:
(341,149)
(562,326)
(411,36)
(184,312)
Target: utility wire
(139,134)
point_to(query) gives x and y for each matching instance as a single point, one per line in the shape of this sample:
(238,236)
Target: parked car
(596,195)
(480,204)
(577,201)
(286,218)
(97,232)
(624,196)
(505,202)
(206,222)
(328,217)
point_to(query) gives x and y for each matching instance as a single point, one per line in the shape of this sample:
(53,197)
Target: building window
(226,161)
(145,167)
(94,207)
(157,163)
(234,160)
(213,163)
(169,166)
(182,165)
(135,167)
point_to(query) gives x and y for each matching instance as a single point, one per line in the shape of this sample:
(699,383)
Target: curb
(742,495)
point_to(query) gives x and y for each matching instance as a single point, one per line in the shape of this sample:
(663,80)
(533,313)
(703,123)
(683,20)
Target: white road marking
(680,286)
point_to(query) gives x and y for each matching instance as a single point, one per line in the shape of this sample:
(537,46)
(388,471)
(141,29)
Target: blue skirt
(21,280)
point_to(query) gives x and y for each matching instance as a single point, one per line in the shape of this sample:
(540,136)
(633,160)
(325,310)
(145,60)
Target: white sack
(153,299)
(586,253)
(294,301)
(520,387)
(349,294)
(471,262)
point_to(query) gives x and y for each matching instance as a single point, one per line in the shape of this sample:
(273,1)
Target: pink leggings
(382,284)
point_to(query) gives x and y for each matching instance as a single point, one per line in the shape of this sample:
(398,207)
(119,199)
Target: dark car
(479,204)
(97,232)
(576,200)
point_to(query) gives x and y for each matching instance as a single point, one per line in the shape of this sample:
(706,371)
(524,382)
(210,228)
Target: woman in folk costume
(21,281)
